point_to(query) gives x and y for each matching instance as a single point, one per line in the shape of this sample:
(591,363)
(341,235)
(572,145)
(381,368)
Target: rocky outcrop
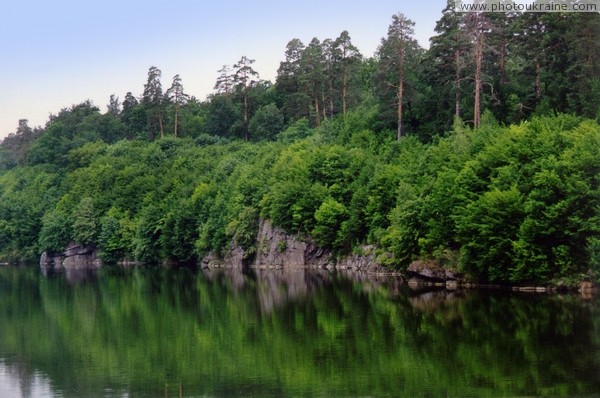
(363,261)
(426,274)
(51,260)
(76,256)
(277,249)
(431,271)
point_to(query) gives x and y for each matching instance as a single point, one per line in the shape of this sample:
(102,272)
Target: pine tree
(114,107)
(133,116)
(153,101)
(397,53)
(446,60)
(477,27)
(293,102)
(225,81)
(348,57)
(312,76)
(17,143)
(245,78)
(583,40)
(178,98)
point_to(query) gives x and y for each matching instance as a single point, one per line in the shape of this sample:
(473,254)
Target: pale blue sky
(54,54)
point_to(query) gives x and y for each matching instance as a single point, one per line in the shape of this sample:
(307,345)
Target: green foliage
(266,123)
(116,236)
(296,131)
(402,236)
(593,248)
(148,230)
(56,229)
(167,178)
(26,194)
(85,224)
(487,229)
(515,204)
(222,116)
(243,230)
(328,221)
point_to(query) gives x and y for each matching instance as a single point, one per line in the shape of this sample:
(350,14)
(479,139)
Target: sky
(55,54)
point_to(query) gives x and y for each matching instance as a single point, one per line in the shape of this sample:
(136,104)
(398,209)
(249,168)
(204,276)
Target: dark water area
(286,333)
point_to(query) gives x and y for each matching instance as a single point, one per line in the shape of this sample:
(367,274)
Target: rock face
(278,249)
(49,260)
(275,248)
(430,271)
(76,256)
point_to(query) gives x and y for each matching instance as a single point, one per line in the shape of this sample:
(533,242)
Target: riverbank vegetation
(483,157)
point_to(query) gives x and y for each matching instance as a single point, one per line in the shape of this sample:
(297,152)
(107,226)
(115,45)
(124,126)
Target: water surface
(292,333)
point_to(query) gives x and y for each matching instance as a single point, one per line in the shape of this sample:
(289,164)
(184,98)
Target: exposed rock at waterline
(431,271)
(50,260)
(76,256)
(277,249)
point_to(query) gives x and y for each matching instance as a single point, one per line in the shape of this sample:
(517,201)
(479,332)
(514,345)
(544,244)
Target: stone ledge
(75,256)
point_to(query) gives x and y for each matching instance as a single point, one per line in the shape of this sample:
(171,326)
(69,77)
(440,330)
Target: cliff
(75,256)
(277,249)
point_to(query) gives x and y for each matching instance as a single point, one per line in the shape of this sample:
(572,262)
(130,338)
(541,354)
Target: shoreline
(304,254)
(585,288)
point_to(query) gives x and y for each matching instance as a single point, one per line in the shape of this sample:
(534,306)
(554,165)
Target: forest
(481,152)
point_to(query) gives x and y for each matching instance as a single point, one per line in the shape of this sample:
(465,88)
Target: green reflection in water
(289,333)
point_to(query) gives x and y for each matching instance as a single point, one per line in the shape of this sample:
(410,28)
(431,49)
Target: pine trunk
(160,124)
(478,80)
(538,80)
(317,112)
(344,91)
(400,91)
(245,116)
(176,120)
(457,83)
(400,107)
(330,98)
(503,75)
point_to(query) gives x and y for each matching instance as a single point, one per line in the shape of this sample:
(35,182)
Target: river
(286,333)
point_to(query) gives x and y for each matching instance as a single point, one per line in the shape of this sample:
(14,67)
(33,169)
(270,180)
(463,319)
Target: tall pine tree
(398,53)
(153,101)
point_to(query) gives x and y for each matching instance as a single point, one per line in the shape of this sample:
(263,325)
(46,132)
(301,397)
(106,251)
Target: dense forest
(481,152)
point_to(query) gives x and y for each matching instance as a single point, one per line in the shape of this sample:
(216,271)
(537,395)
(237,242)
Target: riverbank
(276,249)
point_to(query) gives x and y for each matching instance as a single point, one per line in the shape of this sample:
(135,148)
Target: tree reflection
(290,332)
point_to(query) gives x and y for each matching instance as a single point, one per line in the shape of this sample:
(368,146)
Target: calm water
(171,333)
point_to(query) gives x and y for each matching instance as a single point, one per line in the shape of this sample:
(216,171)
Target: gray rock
(433,272)
(427,270)
(49,260)
(75,256)
(278,249)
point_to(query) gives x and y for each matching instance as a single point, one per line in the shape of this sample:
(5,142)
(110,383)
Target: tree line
(503,204)
(457,153)
(514,65)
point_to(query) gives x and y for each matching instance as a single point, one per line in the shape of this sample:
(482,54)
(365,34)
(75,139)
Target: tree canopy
(480,152)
